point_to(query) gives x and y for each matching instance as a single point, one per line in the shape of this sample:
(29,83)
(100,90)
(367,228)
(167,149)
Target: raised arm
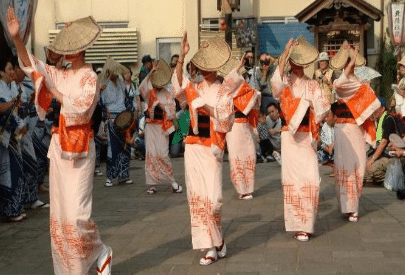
(14,29)
(284,55)
(241,63)
(185,47)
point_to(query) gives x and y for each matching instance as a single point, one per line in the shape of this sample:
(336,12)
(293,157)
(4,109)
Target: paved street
(150,234)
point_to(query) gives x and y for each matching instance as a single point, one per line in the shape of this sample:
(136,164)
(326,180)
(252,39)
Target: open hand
(185,47)
(241,63)
(13,25)
(354,52)
(399,152)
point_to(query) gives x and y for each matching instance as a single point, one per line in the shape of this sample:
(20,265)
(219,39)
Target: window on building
(210,24)
(166,47)
(370,34)
(331,42)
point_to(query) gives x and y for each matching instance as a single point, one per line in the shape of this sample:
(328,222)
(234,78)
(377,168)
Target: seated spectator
(274,125)
(399,152)
(387,123)
(327,146)
(266,151)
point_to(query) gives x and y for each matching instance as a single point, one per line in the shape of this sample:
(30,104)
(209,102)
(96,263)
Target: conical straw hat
(76,36)
(303,53)
(229,66)
(113,66)
(339,60)
(212,55)
(162,76)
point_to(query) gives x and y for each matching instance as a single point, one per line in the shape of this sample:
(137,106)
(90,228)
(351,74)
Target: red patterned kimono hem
(301,181)
(203,172)
(242,157)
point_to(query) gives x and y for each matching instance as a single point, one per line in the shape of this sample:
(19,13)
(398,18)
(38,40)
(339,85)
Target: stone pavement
(151,234)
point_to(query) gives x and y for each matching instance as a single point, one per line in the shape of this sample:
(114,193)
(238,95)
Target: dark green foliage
(387,67)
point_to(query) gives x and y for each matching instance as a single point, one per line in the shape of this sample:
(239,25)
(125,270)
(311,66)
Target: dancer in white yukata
(354,127)
(75,239)
(241,147)
(211,113)
(161,110)
(304,106)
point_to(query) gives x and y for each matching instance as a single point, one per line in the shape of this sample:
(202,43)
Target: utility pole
(227,7)
(228,32)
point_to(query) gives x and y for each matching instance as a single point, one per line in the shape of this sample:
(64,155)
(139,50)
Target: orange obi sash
(74,140)
(167,125)
(362,105)
(216,140)
(247,100)
(289,105)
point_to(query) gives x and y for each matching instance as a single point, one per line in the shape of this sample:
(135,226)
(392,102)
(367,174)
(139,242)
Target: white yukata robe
(158,167)
(241,147)
(203,155)
(351,136)
(75,239)
(299,168)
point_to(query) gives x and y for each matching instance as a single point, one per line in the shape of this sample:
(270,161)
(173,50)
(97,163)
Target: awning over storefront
(273,37)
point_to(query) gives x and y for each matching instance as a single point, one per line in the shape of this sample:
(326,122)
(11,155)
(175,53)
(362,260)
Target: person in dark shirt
(377,163)
(146,67)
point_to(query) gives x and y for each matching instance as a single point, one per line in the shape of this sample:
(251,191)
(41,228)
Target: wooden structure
(334,21)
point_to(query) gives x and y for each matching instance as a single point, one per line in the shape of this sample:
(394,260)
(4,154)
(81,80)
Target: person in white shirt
(326,150)
(400,93)
(132,94)
(118,155)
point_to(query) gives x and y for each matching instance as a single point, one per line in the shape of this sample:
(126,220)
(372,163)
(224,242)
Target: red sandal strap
(209,258)
(106,263)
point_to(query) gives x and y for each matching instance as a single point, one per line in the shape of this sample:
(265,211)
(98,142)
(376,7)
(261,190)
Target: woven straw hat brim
(162,76)
(212,55)
(304,53)
(77,37)
(113,66)
(339,60)
(229,66)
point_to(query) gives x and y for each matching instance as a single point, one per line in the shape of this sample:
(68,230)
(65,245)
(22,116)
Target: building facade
(134,28)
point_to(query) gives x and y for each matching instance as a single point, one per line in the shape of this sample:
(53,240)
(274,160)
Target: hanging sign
(396,23)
